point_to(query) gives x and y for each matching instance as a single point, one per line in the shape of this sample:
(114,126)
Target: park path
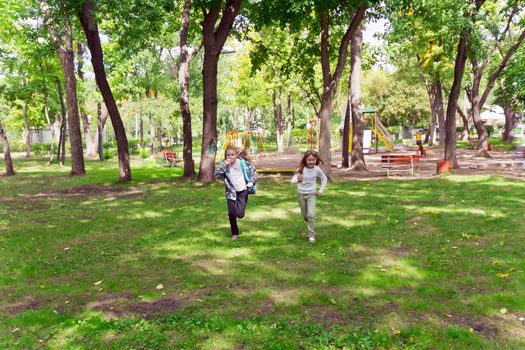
(501,163)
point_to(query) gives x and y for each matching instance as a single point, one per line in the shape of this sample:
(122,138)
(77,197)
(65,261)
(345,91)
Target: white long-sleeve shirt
(309,183)
(237,176)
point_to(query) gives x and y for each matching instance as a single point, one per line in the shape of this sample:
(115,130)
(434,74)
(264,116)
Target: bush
(144,153)
(108,154)
(40,149)
(299,136)
(134,146)
(490,129)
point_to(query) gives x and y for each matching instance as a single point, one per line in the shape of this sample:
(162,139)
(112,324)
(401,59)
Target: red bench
(170,157)
(400,163)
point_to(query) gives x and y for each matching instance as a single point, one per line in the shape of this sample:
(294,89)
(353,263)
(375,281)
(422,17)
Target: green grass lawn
(427,264)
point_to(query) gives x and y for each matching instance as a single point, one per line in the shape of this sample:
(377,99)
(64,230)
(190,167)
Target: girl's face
(231,154)
(310,161)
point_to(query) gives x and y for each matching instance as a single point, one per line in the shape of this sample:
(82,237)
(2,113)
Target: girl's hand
(227,161)
(300,177)
(317,193)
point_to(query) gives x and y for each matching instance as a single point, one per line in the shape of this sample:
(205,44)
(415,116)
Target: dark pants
(236,210)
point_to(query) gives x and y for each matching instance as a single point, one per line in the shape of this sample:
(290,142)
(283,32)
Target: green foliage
(40,149)
(144,153)
(108,153)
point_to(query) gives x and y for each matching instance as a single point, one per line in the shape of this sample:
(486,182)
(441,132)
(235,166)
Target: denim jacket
(223,172)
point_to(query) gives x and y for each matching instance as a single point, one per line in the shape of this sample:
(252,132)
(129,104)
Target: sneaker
(234,237)
(311,239)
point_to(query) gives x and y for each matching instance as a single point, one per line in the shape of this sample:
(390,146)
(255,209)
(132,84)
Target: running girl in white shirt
(306,179)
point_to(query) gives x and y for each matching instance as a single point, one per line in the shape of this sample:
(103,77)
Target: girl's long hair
(307,154)
(239,151)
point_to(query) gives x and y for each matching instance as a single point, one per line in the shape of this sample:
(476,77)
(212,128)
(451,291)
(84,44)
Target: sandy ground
(501,163)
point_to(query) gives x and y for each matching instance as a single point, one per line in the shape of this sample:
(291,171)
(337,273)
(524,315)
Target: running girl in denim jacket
(239,179)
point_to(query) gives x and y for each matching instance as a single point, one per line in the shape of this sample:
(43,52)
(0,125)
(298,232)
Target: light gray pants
(307,205)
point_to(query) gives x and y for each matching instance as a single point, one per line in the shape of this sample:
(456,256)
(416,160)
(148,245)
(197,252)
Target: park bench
(170,157)
(473,141)
(400,163)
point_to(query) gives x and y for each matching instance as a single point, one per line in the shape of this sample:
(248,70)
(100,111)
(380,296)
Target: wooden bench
(400,163)
(170,157)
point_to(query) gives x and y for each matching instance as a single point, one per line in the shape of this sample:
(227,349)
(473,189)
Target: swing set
(251,141)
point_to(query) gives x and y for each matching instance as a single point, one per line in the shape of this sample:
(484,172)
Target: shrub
(134,146)
(40,149)
(144,153)
(108,154)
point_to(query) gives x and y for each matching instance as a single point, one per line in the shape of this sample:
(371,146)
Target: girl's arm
(222,169)
(324,179)
(295,178)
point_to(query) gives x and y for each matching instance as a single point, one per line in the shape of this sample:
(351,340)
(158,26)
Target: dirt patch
(127,303)
(87,191)
(485,326)
(23,304)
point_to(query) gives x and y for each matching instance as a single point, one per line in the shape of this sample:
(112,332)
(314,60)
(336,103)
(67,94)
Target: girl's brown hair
(239,151)
(307,154)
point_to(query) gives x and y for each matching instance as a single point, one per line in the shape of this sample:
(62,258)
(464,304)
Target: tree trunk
(9,171)
(450,123)
(66,56)
(346,134)
(483,136)
(213,40)
(91,30)
(278,118)
(184,83)
(438,102)
(508,133)
(357,157)
(433,115)
(330,81)
(27,135)
(61,149)
(102,117)
(48,120)
(289,120)
(90,145)
(465,132)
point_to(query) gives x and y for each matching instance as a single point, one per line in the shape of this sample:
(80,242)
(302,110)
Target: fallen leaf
(521,319)
(66,248)
(97,283)
(100,289)
(502,275)
(503,310)
(15,330)
(471,330)
(333,301)
(66,302)
(159,287)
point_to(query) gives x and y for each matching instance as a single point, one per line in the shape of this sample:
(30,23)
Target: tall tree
(503,20)
(64,45)
(90,27)
(184,83)
(357,157)
(459,69)
(213,36)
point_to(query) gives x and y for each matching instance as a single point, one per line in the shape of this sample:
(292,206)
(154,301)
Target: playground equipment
(248,144)
(421,151)
(233,138)
(379,132)
(312,133)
